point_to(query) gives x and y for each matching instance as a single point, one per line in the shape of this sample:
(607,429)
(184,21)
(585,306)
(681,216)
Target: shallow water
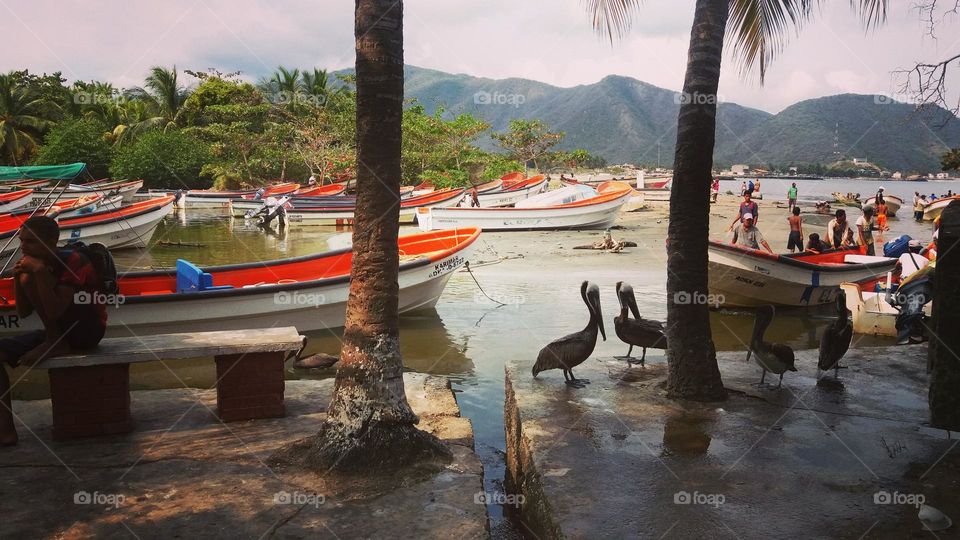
(468,337)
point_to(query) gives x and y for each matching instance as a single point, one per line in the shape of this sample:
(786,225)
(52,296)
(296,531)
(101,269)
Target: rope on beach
(466,266)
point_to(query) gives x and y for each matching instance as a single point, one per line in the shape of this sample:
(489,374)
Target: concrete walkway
(618,459)
(184,474)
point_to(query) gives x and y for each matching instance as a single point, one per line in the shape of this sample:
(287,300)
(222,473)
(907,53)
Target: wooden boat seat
(90,391)
(190,278)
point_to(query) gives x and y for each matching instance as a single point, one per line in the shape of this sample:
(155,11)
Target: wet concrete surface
(617,459)
(183,474)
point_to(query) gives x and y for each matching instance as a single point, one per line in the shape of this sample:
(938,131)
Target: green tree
(74,141)
(24,117)
(759,30)
(164,91)
(528,140)
(163,159)
(951,160)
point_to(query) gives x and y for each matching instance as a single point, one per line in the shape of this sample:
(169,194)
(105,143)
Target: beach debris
(316,361)
(933,519)
(607,243)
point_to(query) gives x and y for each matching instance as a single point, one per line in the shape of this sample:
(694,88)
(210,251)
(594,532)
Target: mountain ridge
(627,120)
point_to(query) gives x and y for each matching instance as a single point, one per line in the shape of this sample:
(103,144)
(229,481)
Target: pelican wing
(566,352)
(642,333)
(834,343)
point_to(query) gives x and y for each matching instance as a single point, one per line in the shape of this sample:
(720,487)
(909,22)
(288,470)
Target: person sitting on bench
(62,287)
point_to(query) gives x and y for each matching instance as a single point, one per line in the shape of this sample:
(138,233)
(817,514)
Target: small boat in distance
(15,199)
(515,193)
(207,198)
(892,201)
(934,209)
(307,213)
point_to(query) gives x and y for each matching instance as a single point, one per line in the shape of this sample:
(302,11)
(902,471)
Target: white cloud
(545,40)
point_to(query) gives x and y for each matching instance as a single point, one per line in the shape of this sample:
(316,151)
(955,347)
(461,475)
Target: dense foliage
(217,130)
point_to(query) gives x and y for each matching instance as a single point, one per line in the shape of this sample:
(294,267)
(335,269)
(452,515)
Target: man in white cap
(747,235)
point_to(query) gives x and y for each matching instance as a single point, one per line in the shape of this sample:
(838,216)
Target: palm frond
(611,18)
(873,13)
(759,29)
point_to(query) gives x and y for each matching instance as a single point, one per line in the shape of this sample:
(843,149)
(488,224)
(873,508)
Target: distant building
(943,176)
(897,175)
(793,170)
(860,161)
(740,170)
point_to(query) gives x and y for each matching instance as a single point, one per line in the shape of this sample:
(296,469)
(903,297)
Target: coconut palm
(165,93)
(369,423)
(21,120)
(758,32)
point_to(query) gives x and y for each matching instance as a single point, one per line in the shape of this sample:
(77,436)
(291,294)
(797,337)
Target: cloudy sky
(546,40)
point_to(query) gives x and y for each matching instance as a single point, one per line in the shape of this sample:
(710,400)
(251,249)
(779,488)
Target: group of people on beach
(838,233)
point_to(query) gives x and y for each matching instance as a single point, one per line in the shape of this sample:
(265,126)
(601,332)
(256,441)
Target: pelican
(836,339)
(772,357)
(570,351)
(638,332)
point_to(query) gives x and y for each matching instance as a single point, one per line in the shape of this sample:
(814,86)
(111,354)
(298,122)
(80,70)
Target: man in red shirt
(62,287)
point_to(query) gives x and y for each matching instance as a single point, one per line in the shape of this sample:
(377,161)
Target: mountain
(626,120)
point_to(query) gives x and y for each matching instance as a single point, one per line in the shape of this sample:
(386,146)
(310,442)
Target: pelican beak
(632,302)
(595,300)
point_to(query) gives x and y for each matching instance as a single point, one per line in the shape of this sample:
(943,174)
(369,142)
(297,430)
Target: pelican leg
(749,351)
(762,383)
(578,382)
(780,384)
(628,357)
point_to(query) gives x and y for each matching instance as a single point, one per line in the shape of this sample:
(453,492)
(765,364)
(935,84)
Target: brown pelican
(570,351)
(638,332)
(772,357)
(836,339)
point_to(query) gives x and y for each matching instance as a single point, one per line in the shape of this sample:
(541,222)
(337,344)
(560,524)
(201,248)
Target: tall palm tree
(369,423)
(21,120)
(166,93)
(315,84)
(759,31)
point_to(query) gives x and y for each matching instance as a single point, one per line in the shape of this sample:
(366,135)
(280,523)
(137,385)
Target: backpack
(102,261)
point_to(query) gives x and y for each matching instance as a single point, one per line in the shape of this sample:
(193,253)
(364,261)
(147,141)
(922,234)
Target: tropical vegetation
(196,129)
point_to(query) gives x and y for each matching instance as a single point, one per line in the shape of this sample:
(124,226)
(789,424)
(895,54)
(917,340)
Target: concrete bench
(90,392)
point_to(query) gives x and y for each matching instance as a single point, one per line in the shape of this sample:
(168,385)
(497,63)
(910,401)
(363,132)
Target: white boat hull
(893,204)
(507,198)
(345,216)
(934,209)
(318,307)
(132,232)
(596,216)
(871,313)
(738,280)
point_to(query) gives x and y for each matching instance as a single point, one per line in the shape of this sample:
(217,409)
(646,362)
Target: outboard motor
(911,296)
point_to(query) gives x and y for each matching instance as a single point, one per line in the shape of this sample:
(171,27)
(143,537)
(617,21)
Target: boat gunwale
(804,265)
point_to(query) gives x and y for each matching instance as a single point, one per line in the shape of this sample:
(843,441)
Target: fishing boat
(594,212)
(511,179)
(15,199)
(82,205)
(870,311)
(208,198)
(119,187)
(127,227)
(892,201)
(329,190)
(492,186)
(26,184)
(934,209)
(326,214)
(846,199)
(515,193)
(308,292)
(740,276)
(637,199)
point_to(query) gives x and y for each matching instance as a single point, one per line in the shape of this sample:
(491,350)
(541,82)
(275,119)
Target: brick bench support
(90,392)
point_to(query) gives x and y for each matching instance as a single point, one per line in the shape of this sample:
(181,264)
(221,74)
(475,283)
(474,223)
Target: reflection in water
(684,434)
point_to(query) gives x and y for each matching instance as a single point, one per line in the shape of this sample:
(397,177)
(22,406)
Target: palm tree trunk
(692,358)
(369,423)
